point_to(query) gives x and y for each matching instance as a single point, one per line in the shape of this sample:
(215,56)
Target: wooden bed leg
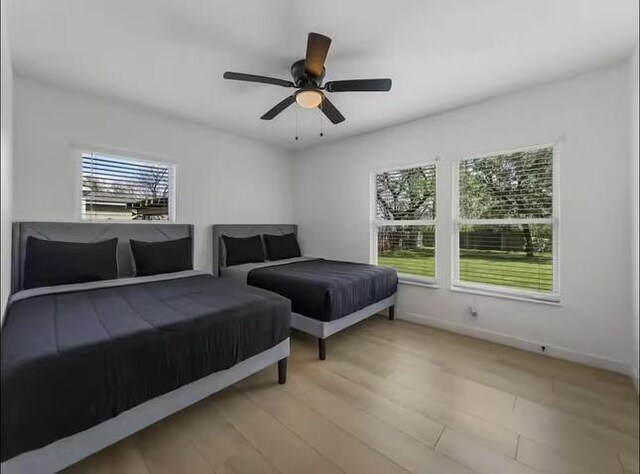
(322,349)
(282,371)
(392,312)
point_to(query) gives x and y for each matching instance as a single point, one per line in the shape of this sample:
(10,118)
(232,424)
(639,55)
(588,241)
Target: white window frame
(376,223)
(494,290)
(81,150)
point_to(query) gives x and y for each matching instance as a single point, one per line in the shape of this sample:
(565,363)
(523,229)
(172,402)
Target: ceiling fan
(307,76)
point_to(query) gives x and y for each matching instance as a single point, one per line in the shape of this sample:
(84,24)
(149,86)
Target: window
(125,189)
(404,223)
(505,230)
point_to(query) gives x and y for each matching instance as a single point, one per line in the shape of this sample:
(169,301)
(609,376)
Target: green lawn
(511,269)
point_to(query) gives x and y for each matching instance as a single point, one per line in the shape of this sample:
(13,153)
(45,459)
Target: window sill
(552,301)
(418,282)
(126,221)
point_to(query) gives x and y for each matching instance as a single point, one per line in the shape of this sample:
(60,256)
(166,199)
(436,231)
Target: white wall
(635,126)
(221,178)
(332,195)
(6,119)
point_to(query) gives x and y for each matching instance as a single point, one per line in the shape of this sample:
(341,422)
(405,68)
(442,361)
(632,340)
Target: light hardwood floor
(394,397)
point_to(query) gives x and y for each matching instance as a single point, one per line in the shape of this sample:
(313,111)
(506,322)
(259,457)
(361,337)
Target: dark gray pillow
(282,246)
(50,262)
(162,257)
(241,250)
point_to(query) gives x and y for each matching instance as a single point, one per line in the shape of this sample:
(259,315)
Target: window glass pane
(406,194)
(408,249)
(513,185)
(513,256)
(124,189)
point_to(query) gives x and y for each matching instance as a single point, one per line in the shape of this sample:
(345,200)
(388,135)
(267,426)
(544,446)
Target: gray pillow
(50,262)
(280,247)
(241,250)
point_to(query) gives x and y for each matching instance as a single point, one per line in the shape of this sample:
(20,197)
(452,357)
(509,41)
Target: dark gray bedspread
(72,360)
(326,289)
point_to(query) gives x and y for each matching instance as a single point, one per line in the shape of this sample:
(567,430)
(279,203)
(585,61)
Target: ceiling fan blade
(317,49)
(357,85)
(330,111)
(279,108)
(239,76)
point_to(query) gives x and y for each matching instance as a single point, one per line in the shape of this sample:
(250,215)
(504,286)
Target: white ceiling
(170,54)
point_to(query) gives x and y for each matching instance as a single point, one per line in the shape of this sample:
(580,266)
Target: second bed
(326,296)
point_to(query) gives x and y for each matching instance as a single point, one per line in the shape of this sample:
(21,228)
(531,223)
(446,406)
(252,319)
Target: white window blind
(404,224)
(505,233)
(116,188)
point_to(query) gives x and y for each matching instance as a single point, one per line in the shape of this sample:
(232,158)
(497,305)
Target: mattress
(239,273)
(75,356)
(326,290)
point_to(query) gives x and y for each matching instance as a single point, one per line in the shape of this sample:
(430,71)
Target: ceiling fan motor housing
(302,79)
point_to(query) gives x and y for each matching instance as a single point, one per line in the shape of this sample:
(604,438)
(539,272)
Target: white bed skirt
(67,451)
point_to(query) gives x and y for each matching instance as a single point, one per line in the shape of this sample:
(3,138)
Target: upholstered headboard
(91,232)
(242,230)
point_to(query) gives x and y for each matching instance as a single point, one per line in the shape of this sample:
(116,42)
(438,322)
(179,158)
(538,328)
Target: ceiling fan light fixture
(309,98)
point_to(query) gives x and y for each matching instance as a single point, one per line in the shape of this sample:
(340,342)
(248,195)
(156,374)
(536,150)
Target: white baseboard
(525,344)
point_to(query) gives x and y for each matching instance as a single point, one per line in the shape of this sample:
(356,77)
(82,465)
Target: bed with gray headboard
(86,364)
(327,296)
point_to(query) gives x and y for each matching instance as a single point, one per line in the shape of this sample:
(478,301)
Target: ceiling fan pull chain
(296,124)
(321,121)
